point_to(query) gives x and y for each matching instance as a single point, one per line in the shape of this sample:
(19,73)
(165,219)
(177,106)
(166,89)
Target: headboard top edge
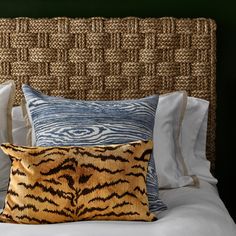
(110,18)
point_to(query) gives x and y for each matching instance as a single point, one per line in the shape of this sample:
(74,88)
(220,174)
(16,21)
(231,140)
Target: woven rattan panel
(98,58)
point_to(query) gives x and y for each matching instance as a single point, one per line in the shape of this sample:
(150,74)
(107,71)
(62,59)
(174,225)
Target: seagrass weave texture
(115,58)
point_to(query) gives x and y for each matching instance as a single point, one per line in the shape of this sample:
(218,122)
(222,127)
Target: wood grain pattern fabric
(63,184)
(101,58)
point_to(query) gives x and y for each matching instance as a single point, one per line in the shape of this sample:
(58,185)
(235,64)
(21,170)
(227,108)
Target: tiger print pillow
(63,184)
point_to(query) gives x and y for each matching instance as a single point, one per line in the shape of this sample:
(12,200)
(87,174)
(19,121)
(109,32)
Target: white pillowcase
(19,127)
(172,146)
(171,169)
(193,139)
(7,91)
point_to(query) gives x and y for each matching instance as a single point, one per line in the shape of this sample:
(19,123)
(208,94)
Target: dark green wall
(225,15)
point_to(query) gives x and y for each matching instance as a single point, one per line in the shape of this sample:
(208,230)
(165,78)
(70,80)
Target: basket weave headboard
(101,58)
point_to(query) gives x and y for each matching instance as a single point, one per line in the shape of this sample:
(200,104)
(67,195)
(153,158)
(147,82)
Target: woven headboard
(101,58)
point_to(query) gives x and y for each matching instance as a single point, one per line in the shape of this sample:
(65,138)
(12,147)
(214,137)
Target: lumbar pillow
(63,184)
(7,92)
(65,122)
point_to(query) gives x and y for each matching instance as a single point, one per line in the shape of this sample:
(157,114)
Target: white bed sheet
(192,212)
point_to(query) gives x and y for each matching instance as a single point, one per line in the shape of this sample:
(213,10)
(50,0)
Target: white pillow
(168,158)
(19,127)
(171,169)
(193,139)
(7,92)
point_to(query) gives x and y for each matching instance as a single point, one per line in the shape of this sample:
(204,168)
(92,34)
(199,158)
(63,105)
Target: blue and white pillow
(58,121)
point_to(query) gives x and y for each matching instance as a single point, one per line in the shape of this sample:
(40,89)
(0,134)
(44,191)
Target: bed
(194,211)
(122,58)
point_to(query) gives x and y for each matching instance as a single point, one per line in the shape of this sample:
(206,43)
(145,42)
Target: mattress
(191,211)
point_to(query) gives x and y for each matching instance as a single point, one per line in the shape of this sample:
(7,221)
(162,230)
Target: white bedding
(192,212)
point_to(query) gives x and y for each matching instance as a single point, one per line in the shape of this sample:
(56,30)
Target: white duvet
(192,212)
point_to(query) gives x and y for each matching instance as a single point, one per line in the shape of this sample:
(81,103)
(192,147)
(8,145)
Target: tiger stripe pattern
(64,184)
